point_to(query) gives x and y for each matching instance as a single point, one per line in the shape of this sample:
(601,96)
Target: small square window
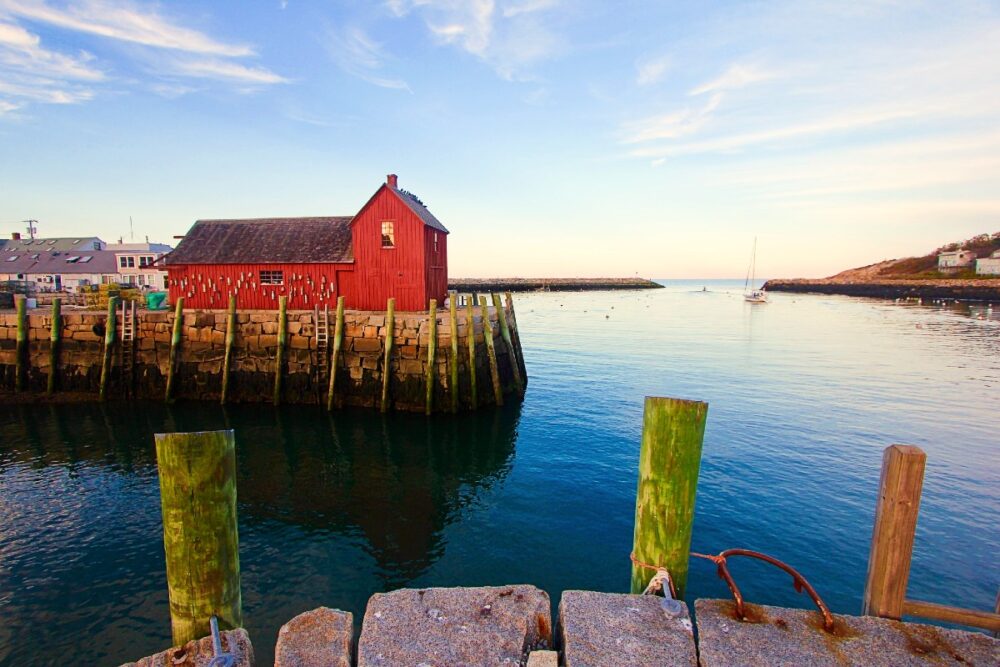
(388,235)
(272,277)
(435,241)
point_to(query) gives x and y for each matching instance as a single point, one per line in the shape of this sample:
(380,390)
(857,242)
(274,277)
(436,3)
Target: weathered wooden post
(669,459)
(175,345)
(432,335)
(895,527)
(338,341)
(390,338)
(230,339)
(198,499)
(516,338)
(21,350)
(279,357)
(453,315)
(55,336)
(491,352)
(515,367)
(110,333)
(470,323)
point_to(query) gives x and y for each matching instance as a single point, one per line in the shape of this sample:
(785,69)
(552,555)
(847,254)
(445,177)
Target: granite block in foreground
(441,627)
(322,637)
(779,636)
(198,652)
(615,630)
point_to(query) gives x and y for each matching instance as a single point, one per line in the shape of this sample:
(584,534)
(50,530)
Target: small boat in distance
(750,293)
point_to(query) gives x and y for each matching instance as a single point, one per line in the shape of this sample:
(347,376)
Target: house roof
(266,240)
(418,209)
(37,260)
(58,244)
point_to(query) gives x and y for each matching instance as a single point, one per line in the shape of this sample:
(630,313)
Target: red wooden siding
(388,272)
(436,268)
(305,285)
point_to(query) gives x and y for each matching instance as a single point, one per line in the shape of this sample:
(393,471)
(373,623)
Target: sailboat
(750,293)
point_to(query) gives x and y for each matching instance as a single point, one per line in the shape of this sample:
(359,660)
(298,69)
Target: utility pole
(32,227)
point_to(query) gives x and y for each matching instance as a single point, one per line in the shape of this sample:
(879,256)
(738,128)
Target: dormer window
(388,235)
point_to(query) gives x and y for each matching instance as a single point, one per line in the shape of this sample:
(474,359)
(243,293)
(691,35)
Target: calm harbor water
(804,394)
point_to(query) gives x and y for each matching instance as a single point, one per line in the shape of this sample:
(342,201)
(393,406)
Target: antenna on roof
(32,227)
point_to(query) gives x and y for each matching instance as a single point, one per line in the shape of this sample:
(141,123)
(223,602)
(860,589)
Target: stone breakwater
(968,290)
(512,625)
(254,357)
(485,285)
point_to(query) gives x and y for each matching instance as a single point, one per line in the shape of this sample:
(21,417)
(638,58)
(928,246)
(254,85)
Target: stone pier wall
(253,367)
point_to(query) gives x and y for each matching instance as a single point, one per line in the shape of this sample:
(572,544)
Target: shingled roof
(266,240)
(419,209)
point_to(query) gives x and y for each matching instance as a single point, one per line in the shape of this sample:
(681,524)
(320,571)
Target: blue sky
(554,138)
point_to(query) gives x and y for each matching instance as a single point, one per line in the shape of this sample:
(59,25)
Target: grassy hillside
(925,267)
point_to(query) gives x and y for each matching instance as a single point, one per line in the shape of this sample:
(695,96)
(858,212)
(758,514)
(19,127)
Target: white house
(989,266)
(955,260)
(136,264)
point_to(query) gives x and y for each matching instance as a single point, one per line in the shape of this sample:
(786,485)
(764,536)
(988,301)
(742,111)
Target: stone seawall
(969,290)
(253,366)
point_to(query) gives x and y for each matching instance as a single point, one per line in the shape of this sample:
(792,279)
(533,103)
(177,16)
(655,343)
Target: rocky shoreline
(548,284)
(965,290)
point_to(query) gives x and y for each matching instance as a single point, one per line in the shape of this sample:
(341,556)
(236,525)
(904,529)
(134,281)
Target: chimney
(390,180)
(15,236)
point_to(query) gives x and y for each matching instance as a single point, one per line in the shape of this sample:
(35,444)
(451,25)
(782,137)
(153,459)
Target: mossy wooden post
(432,346)
(390,338)
(470,325)
(279,356)
(110,331)
(669,459)
(175,347)
(55,337)
(21,360)
(491,352)
(198,499)
(508,343)
(453,381)
(895,526)
(338,341)
(515,336)
(230,339)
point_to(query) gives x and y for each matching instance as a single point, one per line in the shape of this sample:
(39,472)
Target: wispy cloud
(34,73)
(737,75)
(356,53)
(511,38)
(673,125)
(652,70)
(122,21)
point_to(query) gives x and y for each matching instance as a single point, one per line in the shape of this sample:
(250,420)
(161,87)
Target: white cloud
(511,39)
(737,75)
(359,55)
(651,71)
(122,21)
(31,72)
(672,125)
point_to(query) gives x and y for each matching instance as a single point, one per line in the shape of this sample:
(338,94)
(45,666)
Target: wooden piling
(230,339)
(432,338)
(515,335)
(279,357)
(175,344)
(338,341)
(508,343)
(390,338)
(669,459)
(55,337)
(895,526)
(453,381)
(21,360)
(110,331)
(470,324)
(198,498)
(491,352)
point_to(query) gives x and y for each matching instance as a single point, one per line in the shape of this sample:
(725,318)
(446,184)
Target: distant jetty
(966,290)
(549,284)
